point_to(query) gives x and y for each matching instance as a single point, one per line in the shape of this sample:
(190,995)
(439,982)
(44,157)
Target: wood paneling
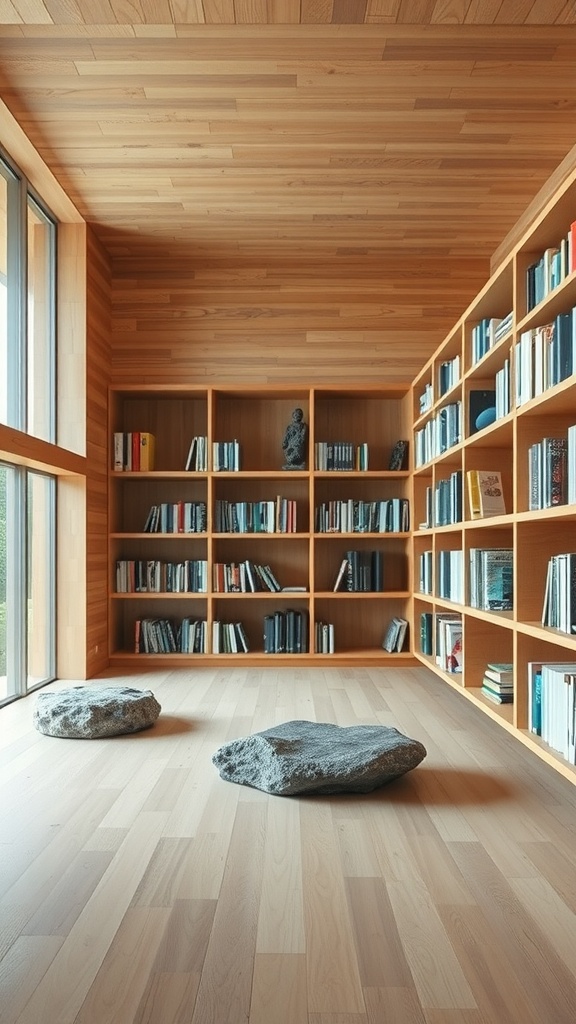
(292,190)
(308,322)
(97,451)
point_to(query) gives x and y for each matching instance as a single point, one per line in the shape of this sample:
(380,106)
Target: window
(40,323)
(27,309)
(27,611)
(27,403)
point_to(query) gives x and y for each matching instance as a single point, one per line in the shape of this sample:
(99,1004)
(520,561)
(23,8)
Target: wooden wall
(98,284)
(352,319)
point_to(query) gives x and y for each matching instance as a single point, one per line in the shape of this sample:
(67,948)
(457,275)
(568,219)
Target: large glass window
(27,403)
(5,631)
(40,576)
(3,296)
(40,323)
(27,610)
(27,309)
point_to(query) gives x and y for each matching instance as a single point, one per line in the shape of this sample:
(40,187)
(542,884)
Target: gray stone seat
(93,712)
(316,757)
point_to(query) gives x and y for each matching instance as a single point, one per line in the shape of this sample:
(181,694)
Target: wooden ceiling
(295,128)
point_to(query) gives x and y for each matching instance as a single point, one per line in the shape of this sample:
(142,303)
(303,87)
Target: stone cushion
(316,757)
(93,712)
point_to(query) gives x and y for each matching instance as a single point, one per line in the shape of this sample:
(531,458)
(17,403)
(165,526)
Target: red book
(136,450)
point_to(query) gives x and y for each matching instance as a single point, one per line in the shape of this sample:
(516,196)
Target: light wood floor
(137,886)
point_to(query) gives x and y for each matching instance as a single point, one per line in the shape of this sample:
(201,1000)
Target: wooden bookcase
(257,418)
(515,636)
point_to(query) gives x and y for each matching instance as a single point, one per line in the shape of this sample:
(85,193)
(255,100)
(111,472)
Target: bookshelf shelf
(369,418)
(499,343)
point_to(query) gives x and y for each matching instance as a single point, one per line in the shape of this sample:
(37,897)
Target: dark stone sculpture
(294,443)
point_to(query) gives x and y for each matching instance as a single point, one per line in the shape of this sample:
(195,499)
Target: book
(535,697)
(147,450)
(500,672)
(496,698)
(118,457)
(402,632)
(426,633)
(398,455)
(485,493)
(340,574)
(496,687)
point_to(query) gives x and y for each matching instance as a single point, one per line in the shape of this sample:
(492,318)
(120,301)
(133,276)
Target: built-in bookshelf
(507,577)
(250,552)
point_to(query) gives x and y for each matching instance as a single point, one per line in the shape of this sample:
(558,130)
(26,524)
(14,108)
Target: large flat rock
(317,757)
(94,712)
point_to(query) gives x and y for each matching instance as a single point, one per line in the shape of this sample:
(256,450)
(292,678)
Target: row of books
(544,356)
(503,390)
(448,374)
(426,399)
(555,263)
(134,451)
(177,517)
(450,581)
(243,578)
(229,638)
(324,642)
(439,434)
(278,516)
(444,501)
(441,638)
(552,705)
(490,585)
(361,572)
(547,473)
(387,515)
(162,636)
(139,576)
(487,333)
(226,456)
(340,455)
(448,642)
(286,632)
(197,458)
(426,580)
(559,608)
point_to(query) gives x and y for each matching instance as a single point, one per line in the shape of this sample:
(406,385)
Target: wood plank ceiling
(295,126)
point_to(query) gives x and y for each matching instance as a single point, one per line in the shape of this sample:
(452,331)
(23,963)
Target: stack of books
(498,682)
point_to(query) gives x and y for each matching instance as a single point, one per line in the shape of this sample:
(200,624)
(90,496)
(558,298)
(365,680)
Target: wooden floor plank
(140,888)
(279,989)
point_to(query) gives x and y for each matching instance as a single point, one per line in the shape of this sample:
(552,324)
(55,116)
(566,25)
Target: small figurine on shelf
(294,443)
